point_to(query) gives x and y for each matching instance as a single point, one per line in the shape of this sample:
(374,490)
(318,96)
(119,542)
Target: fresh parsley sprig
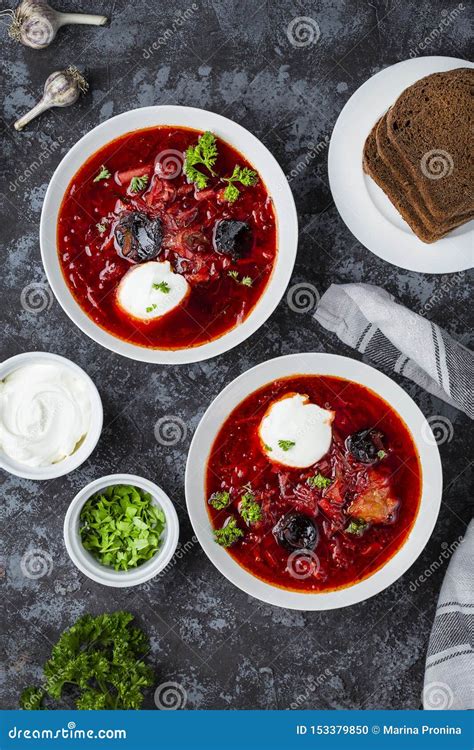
(162,286)
(245,280)
(249,509)
(137,184)
(228,534)
(205,153)
(103,174)
(285,445)
(357,527)
(243,175)
(220,499)
(319,481)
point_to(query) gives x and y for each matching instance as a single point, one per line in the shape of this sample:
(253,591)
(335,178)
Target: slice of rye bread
(389,156)
(429,125)
(376,168)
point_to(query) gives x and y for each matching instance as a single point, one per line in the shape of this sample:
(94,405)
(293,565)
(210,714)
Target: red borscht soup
(167,237)
(313,483)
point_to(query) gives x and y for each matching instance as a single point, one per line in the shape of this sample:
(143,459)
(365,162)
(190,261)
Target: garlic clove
(35,23)
(62,89)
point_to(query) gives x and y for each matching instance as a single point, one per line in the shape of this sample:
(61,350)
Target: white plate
(314,364)
(363,206)
(188,117)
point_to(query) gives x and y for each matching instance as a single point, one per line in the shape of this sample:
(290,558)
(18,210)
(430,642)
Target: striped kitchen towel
(370,320)
(449,672)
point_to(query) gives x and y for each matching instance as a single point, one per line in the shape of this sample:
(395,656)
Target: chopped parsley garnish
(285,445)
(104,174)
(229,533)
(267,447)
(205,153)
(137,184)
(220,500)
(319,481)
(162,286)
(250,510)
(245,280)
(245,176)
(357,527)
(381,454)
(150,308)
(121,526)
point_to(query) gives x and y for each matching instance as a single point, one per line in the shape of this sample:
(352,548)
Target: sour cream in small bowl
(50,415)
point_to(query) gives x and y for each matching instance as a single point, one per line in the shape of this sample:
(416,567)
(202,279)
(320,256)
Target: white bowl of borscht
(169,234)
(312,482)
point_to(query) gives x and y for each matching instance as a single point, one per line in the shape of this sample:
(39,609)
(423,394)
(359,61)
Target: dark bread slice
(376,168)
(429,125)
(392,161)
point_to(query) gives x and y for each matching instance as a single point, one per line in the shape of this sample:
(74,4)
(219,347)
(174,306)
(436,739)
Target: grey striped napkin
(370,320)
(449,673)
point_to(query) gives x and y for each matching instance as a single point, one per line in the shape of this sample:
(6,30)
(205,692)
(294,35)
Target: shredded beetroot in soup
(313,483)
(189,216)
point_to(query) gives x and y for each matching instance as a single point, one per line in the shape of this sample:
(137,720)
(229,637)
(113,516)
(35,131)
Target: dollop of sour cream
(45,412)
(151,290)
(295,432)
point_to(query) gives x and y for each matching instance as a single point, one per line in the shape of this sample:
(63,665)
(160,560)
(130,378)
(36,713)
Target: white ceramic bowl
(85,449)
(256,153)
(314,364)
(87,564)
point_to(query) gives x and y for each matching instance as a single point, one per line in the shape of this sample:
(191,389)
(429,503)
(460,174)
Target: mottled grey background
(226,649)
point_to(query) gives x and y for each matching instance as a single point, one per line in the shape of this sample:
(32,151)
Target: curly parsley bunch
(99,662)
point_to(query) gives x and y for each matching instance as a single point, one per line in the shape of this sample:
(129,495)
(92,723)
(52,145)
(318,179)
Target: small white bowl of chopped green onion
(121,530)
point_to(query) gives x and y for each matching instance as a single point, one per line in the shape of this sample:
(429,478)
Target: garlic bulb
(35,23)
(61,89)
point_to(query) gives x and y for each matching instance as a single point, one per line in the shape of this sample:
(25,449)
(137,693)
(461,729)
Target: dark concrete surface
(223,648)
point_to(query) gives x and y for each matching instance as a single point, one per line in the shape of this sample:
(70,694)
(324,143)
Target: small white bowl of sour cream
(50,415)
